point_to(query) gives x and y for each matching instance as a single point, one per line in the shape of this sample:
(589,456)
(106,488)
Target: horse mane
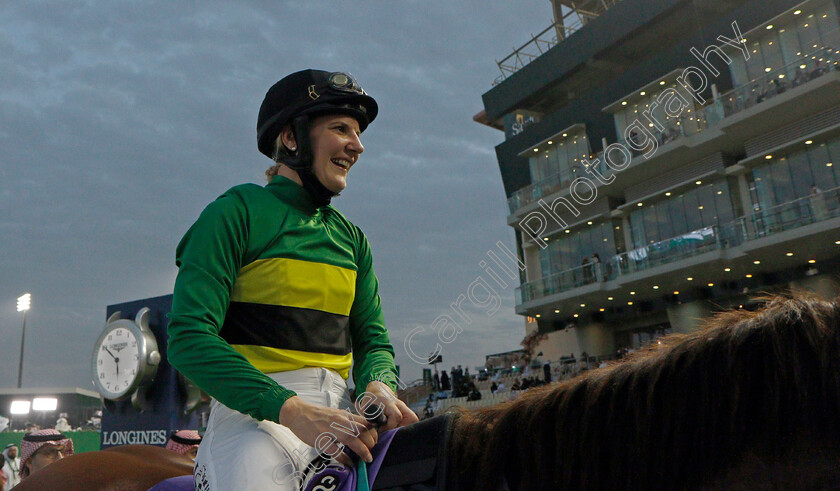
(745,397)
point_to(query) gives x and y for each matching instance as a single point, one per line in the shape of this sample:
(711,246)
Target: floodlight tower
(22,306)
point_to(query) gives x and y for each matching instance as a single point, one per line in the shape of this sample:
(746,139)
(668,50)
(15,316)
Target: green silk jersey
(267,283)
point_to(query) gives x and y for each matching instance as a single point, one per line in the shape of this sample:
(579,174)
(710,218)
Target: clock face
(117,362)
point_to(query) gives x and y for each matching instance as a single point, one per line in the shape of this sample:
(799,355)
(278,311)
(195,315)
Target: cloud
(121,121)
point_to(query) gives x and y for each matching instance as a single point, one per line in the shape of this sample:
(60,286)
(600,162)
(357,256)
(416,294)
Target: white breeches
(241,453)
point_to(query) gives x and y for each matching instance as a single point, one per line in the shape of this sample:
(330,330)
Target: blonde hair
(280,151)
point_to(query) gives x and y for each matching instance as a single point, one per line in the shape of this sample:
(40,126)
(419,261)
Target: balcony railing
(576,15)
(799,72)
(550,185)
(818,207)
(687,124)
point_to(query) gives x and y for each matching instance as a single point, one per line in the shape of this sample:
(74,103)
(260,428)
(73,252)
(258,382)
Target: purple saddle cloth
(180,483)
(337,477)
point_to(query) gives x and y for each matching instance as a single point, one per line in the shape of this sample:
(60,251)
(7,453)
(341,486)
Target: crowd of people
(458,382)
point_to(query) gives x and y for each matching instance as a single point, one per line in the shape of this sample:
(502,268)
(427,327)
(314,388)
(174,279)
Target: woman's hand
(378,393)
(329,429)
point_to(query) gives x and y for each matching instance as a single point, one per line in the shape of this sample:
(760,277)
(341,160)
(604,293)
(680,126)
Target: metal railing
(572,20)
(551,185)
(776,82)
(819,206)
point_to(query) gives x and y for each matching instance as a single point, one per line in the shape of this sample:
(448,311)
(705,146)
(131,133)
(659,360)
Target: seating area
(487,399)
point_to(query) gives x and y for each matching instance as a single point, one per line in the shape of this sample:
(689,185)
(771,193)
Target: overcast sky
(121,121)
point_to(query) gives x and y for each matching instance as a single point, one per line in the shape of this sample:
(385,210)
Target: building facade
(667,159)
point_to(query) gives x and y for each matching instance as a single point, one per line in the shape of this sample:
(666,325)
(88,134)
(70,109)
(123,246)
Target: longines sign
(148,437)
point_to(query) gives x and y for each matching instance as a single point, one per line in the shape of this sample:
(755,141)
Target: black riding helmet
(298,98)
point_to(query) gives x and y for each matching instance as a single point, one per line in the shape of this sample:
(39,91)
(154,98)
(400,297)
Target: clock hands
(116,359)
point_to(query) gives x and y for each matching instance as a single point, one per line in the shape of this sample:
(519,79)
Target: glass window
(651,225)
(738,68)
(803,179)
(755,65)
(637,229)
(824,177)
(789,45)
(827,23)
(676,213)
(692,212)
(723,204)
(772,53)
(666,229)
(782,186)
(705,208)
(763,188)
(809,34)
(834,158)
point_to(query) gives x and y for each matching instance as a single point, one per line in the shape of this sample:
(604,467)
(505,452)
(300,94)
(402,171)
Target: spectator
(428,410)
(596,265)
(799,78)
(184,442)
(41,448)
(444,381)
(516,385)
(547,372)
(61,423)
(494,387)
(474,394)
(501,387)
(436,381)
(11,466)
(818,203)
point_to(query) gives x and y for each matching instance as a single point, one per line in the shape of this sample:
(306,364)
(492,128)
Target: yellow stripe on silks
(269,360)
(296,283)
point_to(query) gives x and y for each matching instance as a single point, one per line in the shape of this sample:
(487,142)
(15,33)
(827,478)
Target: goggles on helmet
(338,81)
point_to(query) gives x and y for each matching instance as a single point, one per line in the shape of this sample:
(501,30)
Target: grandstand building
(666,159)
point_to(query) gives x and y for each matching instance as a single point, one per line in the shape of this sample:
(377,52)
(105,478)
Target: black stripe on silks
(294,328)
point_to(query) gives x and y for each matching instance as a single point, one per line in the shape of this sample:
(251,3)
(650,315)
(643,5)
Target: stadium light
(23,306)
(44,404)
(19,407)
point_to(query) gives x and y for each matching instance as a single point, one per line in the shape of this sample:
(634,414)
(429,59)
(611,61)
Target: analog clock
(125,358)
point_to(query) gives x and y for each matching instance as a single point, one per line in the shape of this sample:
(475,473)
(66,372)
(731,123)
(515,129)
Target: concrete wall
(557,344)
(596,339)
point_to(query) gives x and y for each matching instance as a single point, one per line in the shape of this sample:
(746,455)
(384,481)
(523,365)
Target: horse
(122,468)
(751,400)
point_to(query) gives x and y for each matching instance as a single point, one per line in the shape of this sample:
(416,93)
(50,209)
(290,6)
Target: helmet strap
(302,163)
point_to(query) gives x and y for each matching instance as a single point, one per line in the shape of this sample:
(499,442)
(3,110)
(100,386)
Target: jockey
(41,448)
(184,442)
(276,299)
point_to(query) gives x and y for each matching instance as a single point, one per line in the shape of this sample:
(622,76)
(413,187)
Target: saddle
(410,458)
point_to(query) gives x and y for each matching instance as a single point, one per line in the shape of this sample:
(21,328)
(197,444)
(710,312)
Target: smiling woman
(276,300)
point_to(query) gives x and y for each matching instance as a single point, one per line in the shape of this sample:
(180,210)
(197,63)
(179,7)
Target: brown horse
(124,468)
(751,401)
